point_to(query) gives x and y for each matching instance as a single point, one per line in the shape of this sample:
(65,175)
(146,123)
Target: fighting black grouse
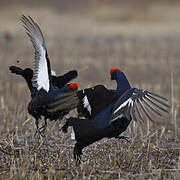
(90,101)
(132,103)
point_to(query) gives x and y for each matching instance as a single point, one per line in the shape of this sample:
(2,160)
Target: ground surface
(142,40)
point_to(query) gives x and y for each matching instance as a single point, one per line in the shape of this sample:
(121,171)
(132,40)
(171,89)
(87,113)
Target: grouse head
(113,73)
(73,86)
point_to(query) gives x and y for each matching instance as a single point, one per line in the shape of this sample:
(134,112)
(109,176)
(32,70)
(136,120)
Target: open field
(143,41)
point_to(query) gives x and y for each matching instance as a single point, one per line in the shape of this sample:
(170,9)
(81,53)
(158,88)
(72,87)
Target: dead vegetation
(147,50)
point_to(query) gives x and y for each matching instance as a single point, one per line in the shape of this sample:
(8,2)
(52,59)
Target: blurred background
(141,37)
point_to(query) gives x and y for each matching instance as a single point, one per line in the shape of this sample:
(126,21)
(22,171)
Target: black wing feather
(139,104)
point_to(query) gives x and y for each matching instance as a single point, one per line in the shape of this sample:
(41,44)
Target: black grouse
(43,86)
(59,81)
(132,103)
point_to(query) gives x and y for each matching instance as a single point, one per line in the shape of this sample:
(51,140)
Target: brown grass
(145,46)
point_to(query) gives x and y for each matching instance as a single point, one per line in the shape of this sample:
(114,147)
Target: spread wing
(42,71)
(140,105)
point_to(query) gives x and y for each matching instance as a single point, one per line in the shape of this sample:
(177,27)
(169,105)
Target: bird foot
(64,128)
(77,154)
(40,131)
(123,137)
(77,158)
(38,134)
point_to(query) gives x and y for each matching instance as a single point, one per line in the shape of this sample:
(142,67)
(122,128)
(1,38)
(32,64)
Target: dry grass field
(142,40)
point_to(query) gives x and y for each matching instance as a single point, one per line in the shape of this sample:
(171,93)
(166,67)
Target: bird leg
(69,122)
(63,114)
(77,153)
(37,129)
(123,137)
(77,159)
(38,132)
(43,128)
(65,127)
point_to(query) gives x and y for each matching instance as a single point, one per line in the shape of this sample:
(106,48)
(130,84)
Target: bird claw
(123,137)
(77,159)
(77,154)
(65,126)
(39,132)
(43,128)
